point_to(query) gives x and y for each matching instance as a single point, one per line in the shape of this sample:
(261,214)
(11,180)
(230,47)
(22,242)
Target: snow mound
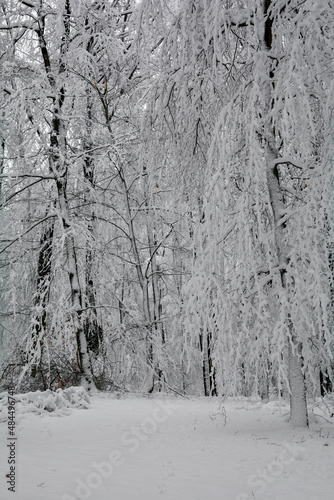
(57,403)
(324,407)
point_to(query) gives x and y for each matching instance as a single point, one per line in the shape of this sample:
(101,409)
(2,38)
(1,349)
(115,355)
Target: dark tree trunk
(208,370)
(212,369)
(93,330)
(326,384)
(42,295)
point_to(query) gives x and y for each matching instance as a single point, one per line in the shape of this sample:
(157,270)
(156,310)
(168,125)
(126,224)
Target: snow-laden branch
(19,25)
(286,160)
(28,4)
(23,176)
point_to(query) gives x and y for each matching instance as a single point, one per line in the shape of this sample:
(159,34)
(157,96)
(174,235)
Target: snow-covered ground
(169,449)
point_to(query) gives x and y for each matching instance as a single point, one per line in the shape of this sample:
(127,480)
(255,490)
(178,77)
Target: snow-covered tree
(268,229)
(145,142)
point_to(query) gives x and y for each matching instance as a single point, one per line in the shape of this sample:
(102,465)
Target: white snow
(171,449)
(57,403)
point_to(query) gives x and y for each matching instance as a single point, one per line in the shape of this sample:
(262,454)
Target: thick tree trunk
(76,296)
(298,406)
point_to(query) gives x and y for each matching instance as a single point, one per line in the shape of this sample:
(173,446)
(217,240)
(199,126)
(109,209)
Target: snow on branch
(286,160)
(28,4)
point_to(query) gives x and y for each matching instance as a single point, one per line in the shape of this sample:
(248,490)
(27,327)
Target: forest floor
(164,448)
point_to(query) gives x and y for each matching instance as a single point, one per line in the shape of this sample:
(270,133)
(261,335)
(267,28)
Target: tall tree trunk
(205,362)
(93,330)
(152,275)
(298,406)
(159,334)
(59,168)
(208,370)
(212,370)
(42,295)
(76,295)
